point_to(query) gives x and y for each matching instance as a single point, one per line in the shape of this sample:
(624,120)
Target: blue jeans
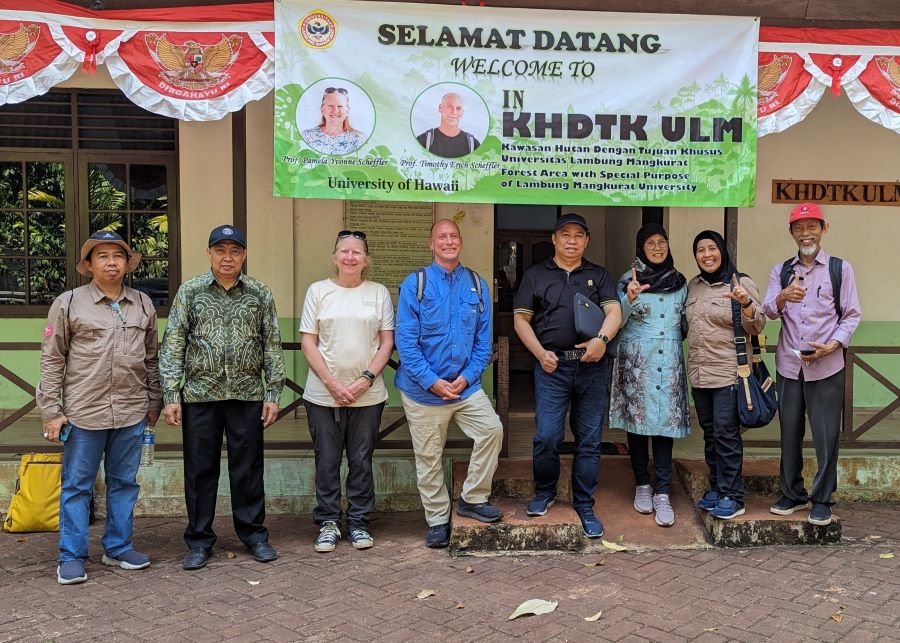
(583,386)
(120,450)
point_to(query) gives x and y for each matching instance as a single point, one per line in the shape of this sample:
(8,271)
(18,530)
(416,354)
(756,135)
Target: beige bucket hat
(101,237)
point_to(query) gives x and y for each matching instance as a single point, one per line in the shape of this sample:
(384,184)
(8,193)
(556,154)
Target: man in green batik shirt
(222,370)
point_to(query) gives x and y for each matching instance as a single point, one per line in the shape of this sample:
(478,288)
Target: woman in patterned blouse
(649,388)
(334,135)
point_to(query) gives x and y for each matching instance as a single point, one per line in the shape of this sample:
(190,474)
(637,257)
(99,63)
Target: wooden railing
(500,358)
(850,434)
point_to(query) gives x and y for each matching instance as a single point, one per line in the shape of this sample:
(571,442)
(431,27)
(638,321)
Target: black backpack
(421,279)
(835,271)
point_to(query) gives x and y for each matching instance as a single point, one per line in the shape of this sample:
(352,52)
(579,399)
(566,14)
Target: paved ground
(772,593)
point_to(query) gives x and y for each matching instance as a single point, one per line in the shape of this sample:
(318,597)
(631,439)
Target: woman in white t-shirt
(347,335)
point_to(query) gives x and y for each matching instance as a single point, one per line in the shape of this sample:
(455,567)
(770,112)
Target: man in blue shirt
(443,335)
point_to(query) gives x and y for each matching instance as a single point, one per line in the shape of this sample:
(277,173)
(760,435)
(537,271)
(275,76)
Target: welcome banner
(476,104)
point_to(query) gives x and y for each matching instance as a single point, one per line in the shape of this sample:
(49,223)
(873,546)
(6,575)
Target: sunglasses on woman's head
(343,234)
(339,90)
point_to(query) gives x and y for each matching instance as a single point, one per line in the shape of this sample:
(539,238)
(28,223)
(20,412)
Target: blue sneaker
(591,524)
(438,536)
(709,500)
(820,514)
(71,572)
(785,506)
(329,535)
(726,509)
(130,559)
(540,504)
(483,511)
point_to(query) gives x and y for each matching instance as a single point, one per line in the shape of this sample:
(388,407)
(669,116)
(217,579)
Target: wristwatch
(748,304)
(369,375)
(603,338)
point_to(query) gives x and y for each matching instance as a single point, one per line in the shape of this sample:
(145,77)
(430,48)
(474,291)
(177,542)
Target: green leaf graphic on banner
(572,110)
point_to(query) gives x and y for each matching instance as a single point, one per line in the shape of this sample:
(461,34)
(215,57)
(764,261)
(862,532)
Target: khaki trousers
(428,429)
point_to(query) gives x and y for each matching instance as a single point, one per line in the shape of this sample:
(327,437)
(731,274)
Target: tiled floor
(847,592)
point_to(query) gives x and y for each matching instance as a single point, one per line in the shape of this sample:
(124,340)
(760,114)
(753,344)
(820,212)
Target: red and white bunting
(797,66)
(31,62)
(186,63)
(189,63)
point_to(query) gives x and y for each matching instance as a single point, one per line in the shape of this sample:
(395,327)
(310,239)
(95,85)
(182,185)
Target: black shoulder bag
(756,399)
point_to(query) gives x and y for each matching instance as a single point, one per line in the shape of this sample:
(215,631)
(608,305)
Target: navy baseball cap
(571,217)
(227,233)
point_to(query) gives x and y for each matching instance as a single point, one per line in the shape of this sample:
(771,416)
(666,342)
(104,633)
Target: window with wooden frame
(72,163)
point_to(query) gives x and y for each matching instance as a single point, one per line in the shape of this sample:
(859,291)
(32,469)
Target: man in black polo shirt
(568,373)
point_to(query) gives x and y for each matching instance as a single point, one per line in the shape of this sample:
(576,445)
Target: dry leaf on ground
(253,582)
(621,538)
(710,629)
(596,563)
(230,554)
(838,616)
(459,606)
(890,554)
(595,617)
(875,537)
(613,546)
(425,593)
(469,570)
(534,606)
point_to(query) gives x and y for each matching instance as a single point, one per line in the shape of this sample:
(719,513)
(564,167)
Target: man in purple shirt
(815,323)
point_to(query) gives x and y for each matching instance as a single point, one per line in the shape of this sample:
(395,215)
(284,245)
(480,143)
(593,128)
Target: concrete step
(757,526)
(514,479)
(760,476)
(560,529)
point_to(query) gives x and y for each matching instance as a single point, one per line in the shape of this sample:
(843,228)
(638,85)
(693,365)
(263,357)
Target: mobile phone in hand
(64,432)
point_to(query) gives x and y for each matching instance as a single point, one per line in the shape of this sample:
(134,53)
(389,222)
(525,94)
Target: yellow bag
(35,505)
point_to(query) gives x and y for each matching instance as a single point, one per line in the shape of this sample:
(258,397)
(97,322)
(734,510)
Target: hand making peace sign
(634,287)
(737,292)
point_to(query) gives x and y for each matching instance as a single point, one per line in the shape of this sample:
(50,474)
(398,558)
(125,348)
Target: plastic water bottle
(147,446)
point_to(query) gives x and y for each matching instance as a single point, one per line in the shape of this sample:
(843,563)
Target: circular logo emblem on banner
(317,29)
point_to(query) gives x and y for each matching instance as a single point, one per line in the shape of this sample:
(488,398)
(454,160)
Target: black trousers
(723,447)
(335,430)
(823,402)
(203,424)
(639,452)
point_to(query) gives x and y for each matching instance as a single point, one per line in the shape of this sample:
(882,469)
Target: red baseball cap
(806,211)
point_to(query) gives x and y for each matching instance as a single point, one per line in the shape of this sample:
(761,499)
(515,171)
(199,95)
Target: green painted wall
(26,364)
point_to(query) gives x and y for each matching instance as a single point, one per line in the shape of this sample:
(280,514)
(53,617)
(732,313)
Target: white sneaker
(665,517)
(643,499)
(329,534)
(361,539)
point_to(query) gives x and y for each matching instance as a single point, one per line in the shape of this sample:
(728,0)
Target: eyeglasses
(339,90)
(343,234)
(661,245)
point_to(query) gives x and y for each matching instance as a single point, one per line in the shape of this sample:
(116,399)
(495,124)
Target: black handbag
(756,399)
(588,321)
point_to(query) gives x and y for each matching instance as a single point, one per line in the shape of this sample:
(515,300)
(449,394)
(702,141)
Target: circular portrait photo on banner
(335,116)
(450,120)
